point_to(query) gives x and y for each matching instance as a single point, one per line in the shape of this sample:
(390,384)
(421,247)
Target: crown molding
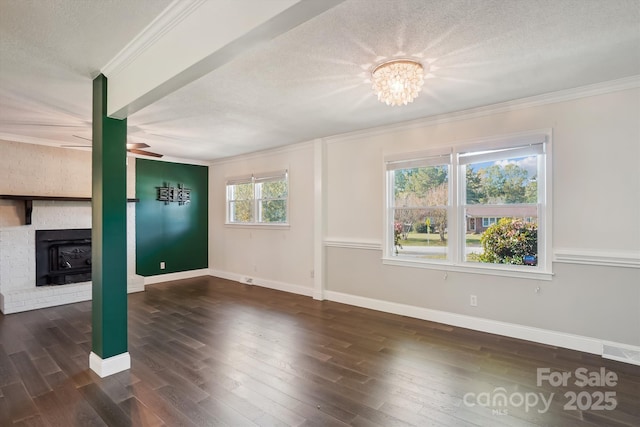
(263,153)
(177,11)
(602,88)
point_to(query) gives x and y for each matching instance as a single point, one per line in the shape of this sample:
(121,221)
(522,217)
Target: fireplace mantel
(28,202)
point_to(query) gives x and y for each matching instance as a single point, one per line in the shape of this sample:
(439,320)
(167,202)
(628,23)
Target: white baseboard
(135,283)
(109,366)
(265,283)
(149,280)
(631,354)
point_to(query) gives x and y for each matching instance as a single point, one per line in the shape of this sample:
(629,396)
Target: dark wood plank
(152,400)
(31,378)
(5,415)
(8,373)
(108,410)
(57,411)
(188,407)
(79,375)
(140,414)
(19,403)
(35,421)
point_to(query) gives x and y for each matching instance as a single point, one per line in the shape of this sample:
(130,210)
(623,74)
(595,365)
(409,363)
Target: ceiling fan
(132,147)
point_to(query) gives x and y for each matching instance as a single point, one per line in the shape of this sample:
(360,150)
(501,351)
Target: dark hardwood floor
(207,351)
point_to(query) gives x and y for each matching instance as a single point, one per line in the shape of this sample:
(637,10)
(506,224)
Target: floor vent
(620,353)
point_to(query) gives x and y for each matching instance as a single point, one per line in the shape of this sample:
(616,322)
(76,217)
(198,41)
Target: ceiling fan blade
(135,145)
(27,123)
(83,147)
(144,153)
(82,137)
(132,147)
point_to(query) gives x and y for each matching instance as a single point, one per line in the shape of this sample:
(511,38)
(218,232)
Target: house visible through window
(259,199)
(494,214)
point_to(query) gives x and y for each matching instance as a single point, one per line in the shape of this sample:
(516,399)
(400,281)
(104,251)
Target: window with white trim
(258,199)
(437,200)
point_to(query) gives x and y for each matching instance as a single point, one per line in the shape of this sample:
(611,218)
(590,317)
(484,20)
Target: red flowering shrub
(510,241)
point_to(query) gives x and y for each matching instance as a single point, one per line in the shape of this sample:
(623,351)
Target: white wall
(273,256)
(596,210)
(27,169)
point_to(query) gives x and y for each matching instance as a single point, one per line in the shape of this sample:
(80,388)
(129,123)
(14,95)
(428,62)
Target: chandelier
(398,82)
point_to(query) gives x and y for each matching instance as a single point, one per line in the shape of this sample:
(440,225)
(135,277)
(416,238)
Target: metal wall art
(180,194)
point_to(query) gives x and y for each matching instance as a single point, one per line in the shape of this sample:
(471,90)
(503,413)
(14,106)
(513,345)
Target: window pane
(506,240)
(421,197)
(242,191)
(510,180)
(420,233)
(273,189)
(241,211)
(273,211)
(421,187)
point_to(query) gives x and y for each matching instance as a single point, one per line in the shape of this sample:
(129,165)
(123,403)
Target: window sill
(471,269)
(254,225)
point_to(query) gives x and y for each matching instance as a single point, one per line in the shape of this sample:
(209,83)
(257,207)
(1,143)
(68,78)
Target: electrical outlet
(473,301)
(313,274)
(162,265)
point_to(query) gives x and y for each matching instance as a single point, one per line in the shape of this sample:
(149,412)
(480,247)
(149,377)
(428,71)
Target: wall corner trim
(541,336)
(109,366)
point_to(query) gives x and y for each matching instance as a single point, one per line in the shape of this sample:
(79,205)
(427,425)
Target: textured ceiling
(312,81)
(49,52)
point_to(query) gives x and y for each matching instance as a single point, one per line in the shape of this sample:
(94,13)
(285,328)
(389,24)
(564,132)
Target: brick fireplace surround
(18,291)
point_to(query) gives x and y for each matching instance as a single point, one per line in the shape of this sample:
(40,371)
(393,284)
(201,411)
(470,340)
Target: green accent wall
(109,228)
(170,233)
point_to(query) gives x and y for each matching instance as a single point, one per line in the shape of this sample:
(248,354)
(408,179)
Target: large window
(481,205)
(259,199)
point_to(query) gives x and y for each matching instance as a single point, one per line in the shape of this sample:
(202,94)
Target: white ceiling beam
(192,38)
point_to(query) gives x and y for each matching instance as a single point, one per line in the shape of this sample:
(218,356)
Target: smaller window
(258,199)
(487,221)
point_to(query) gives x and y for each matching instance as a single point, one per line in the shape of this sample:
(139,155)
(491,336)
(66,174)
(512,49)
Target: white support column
(319,218)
